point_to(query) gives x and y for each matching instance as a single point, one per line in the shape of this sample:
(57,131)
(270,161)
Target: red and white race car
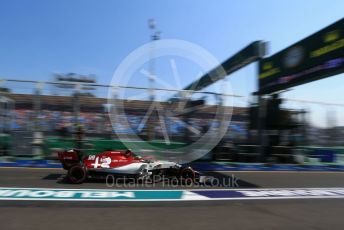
(120,164)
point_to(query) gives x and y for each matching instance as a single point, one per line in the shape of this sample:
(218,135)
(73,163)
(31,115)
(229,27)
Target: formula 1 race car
(123,164)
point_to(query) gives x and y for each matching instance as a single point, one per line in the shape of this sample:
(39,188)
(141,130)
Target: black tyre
(77,174)
(187,175)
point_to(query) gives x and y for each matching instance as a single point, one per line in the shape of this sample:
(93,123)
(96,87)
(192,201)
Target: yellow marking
(267,66)
(328,48)
(269,73)
(331,36)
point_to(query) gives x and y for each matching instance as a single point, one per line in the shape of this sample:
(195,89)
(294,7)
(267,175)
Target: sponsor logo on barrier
(166,195)
(67,194)
(295,192)
(85,195)
(273,193)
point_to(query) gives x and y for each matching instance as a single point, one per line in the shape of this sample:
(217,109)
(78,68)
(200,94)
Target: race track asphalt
(198,215)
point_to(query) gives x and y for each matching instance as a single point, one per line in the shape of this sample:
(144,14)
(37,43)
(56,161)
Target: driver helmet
(128,153)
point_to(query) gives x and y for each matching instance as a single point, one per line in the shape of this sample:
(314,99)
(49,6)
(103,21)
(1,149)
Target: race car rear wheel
(77,174)
(187,175)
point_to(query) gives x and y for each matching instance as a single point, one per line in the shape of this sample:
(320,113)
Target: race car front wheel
(187,175)
(77,174)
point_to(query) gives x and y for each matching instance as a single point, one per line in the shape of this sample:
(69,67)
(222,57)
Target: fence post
(37,142)
(261,127)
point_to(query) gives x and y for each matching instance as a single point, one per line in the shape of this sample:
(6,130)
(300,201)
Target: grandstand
(56,113)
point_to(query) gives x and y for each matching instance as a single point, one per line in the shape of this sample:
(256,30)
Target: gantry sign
(247,55)
(315,57)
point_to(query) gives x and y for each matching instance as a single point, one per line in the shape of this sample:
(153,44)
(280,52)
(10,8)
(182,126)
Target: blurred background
(58,58)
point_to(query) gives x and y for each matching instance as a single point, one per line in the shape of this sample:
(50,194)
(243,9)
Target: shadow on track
(213,180)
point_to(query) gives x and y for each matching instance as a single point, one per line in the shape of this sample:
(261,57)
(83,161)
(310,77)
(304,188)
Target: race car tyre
(187,175)
(77,174)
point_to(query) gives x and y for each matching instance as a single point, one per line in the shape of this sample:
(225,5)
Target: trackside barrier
(201,166)
(49,194)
